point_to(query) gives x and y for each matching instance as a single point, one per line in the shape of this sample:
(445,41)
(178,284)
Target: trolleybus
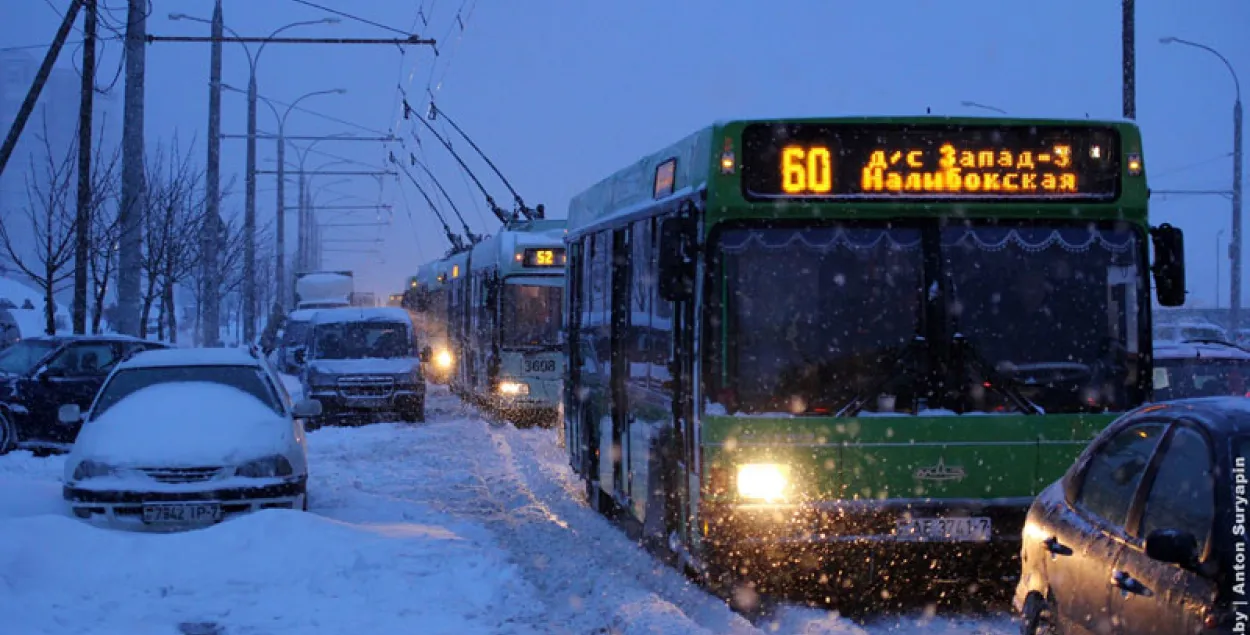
(837,349)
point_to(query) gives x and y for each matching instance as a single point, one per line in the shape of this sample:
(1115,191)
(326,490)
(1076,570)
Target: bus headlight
(763,481)
(513,389)
(443,359)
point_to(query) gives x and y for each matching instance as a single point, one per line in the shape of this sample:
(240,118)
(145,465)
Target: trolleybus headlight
(443,359)
(763,481)
(512,388)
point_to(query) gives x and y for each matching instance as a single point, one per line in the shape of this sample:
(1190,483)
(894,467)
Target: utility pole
(1234,301)
(130,250)
(210,311)
(82,225)
(1128,62)
(249,218)
(36,87)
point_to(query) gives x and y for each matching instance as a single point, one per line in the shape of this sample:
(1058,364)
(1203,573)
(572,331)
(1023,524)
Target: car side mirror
(301,356)
(69,414)
(1169,264)
(1172,546)
(426,353)
(676,261)
(306,408)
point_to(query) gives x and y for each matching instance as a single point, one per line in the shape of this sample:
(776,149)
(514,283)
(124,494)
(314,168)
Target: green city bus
(830,349)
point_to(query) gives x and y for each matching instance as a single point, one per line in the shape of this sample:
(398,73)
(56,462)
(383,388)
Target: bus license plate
(954,529)
(182,513)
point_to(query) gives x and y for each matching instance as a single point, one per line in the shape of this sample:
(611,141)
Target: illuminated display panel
(912,162)
(543,257)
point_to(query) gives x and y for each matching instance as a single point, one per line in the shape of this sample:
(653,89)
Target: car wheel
(414,413)
(8,433)
(304,507)
(1038,617)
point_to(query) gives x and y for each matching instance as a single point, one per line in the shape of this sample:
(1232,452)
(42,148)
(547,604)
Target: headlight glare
(763,481)
(93,469)
(268,467)
(512,388)
(443,359)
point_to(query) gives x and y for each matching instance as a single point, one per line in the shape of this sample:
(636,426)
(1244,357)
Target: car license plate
(373,403)
(182,513)
(950,529)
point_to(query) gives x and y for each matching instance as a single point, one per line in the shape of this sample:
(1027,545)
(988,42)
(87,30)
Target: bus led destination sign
(845,161)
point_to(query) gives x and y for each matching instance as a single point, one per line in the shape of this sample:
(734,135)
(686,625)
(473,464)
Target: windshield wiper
(966,353)
(897,368)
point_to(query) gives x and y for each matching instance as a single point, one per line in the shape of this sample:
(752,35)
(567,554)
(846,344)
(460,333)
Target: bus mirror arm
(1169,264)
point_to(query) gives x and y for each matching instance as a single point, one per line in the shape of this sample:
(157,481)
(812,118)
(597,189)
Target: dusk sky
(562,93)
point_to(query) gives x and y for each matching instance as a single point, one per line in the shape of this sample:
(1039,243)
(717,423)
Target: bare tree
(50,218)
(172,215)
(104,232)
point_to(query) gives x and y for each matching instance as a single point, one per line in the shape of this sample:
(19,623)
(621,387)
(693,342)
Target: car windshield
(127,381)
(816,316)
(21,357)
(1201,377)
(531,315)
(363,340)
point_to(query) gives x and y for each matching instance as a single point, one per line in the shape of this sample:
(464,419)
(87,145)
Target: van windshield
(363,340)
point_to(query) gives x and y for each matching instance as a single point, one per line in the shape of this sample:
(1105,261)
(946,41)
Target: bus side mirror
(676,283)
(1169,264)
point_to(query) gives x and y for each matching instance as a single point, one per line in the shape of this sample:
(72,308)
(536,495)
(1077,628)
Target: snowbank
(276,571)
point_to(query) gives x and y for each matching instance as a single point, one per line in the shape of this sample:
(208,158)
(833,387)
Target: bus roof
(499,251)
(637,188)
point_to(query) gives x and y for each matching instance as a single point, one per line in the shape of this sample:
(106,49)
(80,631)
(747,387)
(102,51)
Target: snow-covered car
(188,437)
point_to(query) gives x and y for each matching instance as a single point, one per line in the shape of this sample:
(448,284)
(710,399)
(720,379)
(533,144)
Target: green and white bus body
(508,309)
(800,346)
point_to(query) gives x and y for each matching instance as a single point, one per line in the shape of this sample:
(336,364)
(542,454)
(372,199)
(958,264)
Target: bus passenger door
(620,367)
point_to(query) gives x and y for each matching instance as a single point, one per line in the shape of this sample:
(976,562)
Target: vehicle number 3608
(540,366)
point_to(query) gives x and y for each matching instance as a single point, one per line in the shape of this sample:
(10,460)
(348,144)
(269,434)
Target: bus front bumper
(852,544)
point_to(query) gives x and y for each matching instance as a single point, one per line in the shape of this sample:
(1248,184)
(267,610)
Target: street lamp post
(1235,239)
(281,220)
(249,215)
(1219,235)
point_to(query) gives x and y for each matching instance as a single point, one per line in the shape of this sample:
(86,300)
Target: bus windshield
(816,317)
(531,315)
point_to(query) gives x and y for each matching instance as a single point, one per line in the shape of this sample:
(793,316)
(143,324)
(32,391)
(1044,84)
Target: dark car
(39,374)
(1200,368)
(1140,536)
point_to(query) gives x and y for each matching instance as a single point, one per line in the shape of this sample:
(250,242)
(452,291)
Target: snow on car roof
(171,357)
(302,315)
(362,314)
(1191,349)
(110,337)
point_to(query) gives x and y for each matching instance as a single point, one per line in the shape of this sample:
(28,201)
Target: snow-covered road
(454,526)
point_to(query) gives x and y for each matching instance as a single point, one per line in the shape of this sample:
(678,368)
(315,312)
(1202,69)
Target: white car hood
(184,425)
(365,366)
